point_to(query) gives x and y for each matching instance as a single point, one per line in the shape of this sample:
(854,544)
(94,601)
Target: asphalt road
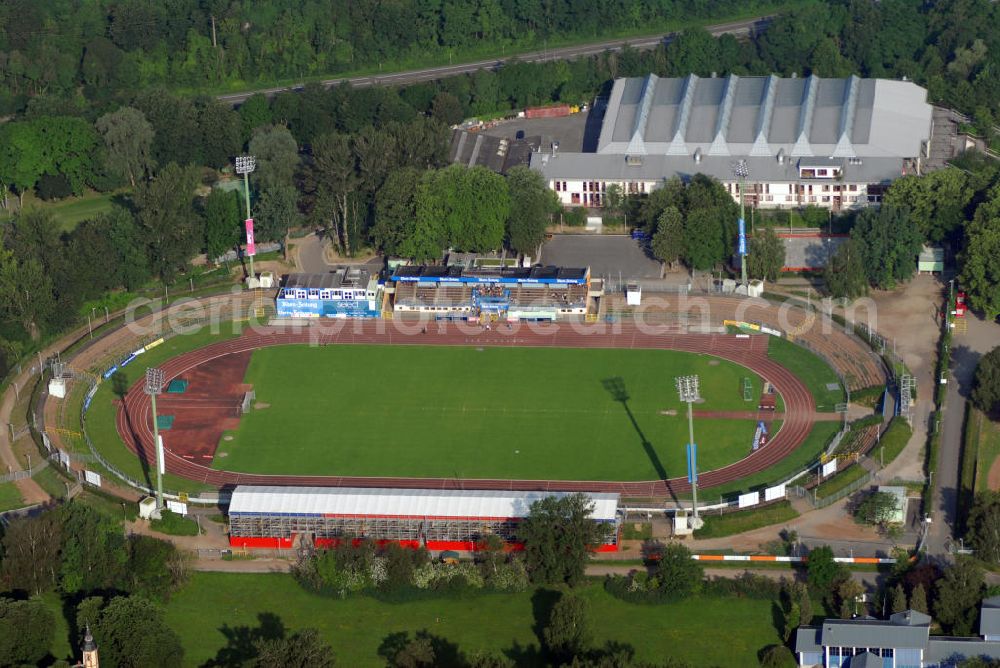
(564,53)
(967,348)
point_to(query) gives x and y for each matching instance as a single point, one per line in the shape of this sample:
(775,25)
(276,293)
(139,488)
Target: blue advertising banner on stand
(743,238)
(692,455)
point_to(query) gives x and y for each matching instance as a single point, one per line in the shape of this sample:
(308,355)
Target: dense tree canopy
(889,245)
(986,388)
(558,536)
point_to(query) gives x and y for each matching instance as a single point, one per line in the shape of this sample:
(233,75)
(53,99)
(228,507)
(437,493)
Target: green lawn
(988,450)
(492,412)
(717,526)
(811,370)
(843,479)
(214,603)
(10,497)
(71,211)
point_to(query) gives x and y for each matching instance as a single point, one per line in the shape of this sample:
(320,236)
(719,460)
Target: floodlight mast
(154,385)
(741,171)
(687,388)
(244,165)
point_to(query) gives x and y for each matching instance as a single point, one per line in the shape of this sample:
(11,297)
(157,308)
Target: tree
(95,556)
(568,632)
(984,524)
(531,205)
(845,272)
(221,133)
(168,220)
(277,212)
(25,291)
(277,157)
(222,215)
(26,631)
(777,656)
(986,388)
(680,576)
(849,592)
(703,232)
(767,255)
(303,649)
(667,243)
(128,137)
(129,248)
(396,211)
(822,571)
(877,509)
(957,596)
(471,206)
(31,553)
(918,599)
(446,108)
(155,567)
(936,202)
(334,185)
(980,263)
(254,113)
(614,201)
(558,537)
(889,244)
(898,599)
(131,633)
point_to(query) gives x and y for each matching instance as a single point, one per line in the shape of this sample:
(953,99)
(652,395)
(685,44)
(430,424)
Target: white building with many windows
(833,143)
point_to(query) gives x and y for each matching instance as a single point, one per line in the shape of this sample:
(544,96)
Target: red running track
(134,423)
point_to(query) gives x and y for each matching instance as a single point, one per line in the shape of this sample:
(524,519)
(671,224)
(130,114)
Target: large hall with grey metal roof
(825,142)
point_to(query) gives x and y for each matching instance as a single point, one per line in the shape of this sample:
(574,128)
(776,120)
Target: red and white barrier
(794,560)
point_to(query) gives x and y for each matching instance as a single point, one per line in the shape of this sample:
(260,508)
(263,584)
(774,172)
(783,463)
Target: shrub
(173,524)
(53,186)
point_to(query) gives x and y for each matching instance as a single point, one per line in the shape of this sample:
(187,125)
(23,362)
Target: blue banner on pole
(692,457)
(742,249)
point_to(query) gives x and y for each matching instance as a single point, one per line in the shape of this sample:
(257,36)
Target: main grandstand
(345,292)
(437,519)
(467,288)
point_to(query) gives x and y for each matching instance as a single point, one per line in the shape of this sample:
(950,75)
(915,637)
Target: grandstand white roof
(758,116)
(380,501)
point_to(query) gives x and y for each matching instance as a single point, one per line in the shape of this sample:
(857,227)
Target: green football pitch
(524,413)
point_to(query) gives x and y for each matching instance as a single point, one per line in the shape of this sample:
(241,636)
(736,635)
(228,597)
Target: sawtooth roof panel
(874,118)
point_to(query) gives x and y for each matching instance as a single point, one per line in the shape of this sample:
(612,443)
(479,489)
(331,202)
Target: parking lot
(607,256)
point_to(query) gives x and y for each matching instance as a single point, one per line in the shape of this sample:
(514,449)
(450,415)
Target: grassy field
(820,436)
(810,369)
(214,604)
(478,413)
(844,478)
(71,211)
(10,497)
(717,526)
(988,449)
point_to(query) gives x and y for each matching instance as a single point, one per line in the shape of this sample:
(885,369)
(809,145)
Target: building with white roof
(833,143)
(439,519)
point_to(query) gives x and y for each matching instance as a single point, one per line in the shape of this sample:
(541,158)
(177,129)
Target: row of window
(886,652)
(325,295)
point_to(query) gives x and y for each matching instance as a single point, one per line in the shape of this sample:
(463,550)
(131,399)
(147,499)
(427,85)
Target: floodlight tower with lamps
(687,388)
(154,385)
(741,171)
(244,165)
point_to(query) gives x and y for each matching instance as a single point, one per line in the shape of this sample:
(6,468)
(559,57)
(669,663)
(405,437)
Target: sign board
(159,456)
(829,468)
(751,499)
(692,457)
(155,343)
(251,246)
(177,507)
(92,478)
(64,458)
(774,493)
(46,442)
